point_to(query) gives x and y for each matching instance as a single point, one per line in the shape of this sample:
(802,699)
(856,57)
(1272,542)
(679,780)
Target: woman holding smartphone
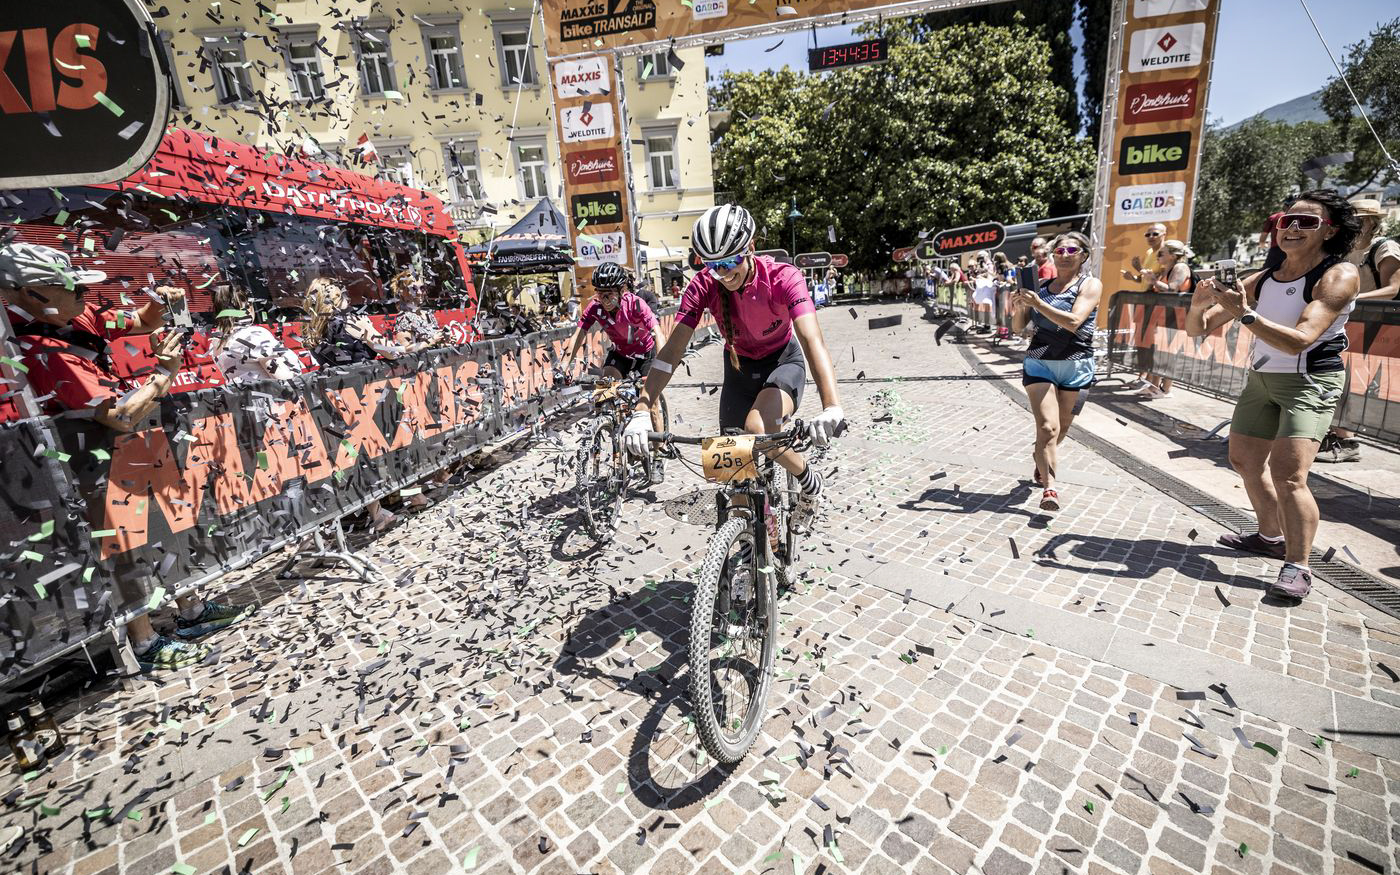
(1059,362)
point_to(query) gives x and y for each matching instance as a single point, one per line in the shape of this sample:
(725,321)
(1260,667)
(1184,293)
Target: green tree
(1246,172)
(1095,20)
(1372,66)
(961,125)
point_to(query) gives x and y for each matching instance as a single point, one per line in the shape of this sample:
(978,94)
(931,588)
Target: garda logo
(601,208)
(703,9)
(581,78)
(1140,204)
(1155,8)
(587,122)
(1154,154)
(594,249)
(1166,48)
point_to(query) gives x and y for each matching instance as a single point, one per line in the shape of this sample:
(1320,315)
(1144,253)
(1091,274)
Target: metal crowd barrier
(1146,333)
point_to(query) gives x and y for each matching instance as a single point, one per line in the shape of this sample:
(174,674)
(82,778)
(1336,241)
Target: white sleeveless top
(1283,302)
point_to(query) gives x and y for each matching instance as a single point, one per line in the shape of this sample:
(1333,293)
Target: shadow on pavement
(946,499)
(662,766)
(1141,559)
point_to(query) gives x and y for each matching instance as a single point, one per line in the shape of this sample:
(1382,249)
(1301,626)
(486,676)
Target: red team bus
(206,210)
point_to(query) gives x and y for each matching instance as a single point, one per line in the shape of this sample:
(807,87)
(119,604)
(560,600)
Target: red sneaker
(1050,500)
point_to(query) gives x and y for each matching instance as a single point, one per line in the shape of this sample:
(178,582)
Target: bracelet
(663,367)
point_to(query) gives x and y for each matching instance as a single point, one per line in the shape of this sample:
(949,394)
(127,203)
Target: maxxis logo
(582,78)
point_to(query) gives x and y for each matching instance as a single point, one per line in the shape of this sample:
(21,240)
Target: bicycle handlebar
(796,430)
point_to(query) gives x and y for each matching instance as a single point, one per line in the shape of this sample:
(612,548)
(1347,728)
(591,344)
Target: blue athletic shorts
(1070,374)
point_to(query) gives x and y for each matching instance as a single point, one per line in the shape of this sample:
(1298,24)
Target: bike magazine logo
(594,249)
(1157,153)
(1173,100)
(591,165)
(587,122)
(702,9)
(1165,48)
(600,208)
(1158,8)
(582,78)
(598,18)
(1140,204)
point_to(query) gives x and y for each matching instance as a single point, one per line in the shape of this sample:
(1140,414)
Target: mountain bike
(734,614)
(604,472)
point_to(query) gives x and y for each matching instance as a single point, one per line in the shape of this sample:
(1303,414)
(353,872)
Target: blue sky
(1267,53)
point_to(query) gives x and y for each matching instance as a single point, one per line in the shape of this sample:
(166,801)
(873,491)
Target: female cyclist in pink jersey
(768,322)
(631,326)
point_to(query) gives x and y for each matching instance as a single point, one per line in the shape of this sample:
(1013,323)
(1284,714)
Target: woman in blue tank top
(1296,314)
(1060,359)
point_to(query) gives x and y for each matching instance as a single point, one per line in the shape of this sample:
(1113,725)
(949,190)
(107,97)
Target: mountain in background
(1299,109)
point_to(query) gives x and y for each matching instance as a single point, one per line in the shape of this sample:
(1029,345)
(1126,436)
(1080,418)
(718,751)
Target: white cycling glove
(822,428)
(634,436)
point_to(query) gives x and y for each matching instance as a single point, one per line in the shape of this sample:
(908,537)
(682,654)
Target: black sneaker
(1252,543)
(214,617)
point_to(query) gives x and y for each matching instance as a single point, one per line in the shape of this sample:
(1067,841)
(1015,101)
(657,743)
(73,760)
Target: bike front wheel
(733,642)
(601,480)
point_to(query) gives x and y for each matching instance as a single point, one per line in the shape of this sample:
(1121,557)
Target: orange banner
(1164,72)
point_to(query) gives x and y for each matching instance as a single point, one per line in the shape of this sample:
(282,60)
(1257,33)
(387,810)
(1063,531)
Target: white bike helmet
(721,232)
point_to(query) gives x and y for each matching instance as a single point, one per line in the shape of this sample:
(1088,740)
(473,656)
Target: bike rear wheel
(601,480)
(733,642)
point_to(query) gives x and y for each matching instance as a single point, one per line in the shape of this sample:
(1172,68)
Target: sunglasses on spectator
(1067,250)
(729,263)
(1301,221)
(1153,234)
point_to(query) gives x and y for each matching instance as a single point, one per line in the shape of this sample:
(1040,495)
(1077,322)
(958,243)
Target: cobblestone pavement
(967,685)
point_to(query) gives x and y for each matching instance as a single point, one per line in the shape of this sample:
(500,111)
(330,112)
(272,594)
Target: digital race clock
(847,55)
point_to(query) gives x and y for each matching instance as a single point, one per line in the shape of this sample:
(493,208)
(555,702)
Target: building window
(232,81)
(463,171)
(444,58)
(304,67)
(517,60)
(654,66)
(530,158)
(177,93)
(376,66)
(661,159)
(396,164)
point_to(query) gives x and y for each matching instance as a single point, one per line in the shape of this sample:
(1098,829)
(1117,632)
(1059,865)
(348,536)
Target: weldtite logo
(587,122)
(582,78)
(601,208)
(1140,204)
(702,9)
(1173,100)
(594,249)
(1163,48)
(591,165)
(1154,8)
(599,18)
(1154,154)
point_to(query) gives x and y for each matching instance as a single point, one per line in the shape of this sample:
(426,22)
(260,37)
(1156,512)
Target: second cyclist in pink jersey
(768,322)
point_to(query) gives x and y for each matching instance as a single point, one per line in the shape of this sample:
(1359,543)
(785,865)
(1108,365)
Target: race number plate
(728,459)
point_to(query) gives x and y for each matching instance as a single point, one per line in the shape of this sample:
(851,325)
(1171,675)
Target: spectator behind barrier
(1173,276)
(1045,267)
(337,335)
(63,342)
(1378,260)
(1297,315)
(242,351)
(1143,275)
(414,330)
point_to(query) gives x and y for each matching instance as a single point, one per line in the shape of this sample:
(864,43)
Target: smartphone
(1225,272)
(180,314)
(1026,277)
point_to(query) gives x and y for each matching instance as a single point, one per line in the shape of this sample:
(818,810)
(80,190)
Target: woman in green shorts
(1297,314)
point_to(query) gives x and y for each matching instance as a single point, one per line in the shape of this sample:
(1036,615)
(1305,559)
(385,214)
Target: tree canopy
(1372,66)
(962,124)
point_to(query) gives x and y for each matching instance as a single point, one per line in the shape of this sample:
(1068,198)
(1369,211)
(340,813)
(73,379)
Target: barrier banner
(1149,335)
(220,477)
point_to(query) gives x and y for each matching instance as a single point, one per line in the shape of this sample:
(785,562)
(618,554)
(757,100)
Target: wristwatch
(1248,317)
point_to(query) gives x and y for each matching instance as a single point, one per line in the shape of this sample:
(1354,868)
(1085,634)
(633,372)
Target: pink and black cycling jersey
(760,315)
(629,327)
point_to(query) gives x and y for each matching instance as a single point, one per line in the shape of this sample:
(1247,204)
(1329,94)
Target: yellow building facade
(452,98)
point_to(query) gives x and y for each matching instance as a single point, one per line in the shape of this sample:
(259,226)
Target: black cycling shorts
(785,369)
(627,365)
